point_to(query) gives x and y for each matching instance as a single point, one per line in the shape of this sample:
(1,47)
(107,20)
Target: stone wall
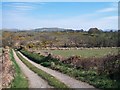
(0,71)
(7,69)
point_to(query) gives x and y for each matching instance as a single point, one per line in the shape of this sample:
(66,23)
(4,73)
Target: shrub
(109,65)
(46,64)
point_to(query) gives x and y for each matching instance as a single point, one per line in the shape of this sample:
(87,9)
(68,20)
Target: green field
(84,52)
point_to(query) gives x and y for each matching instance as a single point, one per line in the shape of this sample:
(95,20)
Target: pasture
(85,52)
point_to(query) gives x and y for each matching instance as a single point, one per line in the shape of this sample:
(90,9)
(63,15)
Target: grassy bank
(20,81)
(51,80)
(90,76)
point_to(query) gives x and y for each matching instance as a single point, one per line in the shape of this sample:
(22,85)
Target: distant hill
(10,29)
(40,29)
(56,29)
(50,29)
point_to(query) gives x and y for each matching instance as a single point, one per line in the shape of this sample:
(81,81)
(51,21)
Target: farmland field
(84,52)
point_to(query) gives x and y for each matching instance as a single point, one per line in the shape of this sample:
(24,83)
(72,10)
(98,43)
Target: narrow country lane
(69,81)
(34,80)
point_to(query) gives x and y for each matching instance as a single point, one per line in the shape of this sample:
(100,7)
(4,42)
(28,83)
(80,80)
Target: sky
(71,15)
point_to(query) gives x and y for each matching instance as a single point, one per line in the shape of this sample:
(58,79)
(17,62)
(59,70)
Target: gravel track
(69,81)
(35,81)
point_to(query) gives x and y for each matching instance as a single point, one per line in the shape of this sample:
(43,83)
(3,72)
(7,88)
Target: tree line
(91,38)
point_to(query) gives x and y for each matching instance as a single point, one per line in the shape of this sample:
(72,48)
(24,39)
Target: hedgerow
(101,72)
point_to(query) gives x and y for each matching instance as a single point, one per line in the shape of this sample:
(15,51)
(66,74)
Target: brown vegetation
(109,65)
(68,38)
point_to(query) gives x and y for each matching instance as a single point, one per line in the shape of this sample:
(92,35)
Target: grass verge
(20,81)
(51,80)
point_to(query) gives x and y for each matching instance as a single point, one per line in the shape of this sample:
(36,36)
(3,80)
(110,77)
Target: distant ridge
(5,29)
(50,29)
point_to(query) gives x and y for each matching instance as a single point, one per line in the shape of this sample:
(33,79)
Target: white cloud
(79,22)
(114,4)
(110,22)
(19,6)
(111,9)
(23,7)
(110,18)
